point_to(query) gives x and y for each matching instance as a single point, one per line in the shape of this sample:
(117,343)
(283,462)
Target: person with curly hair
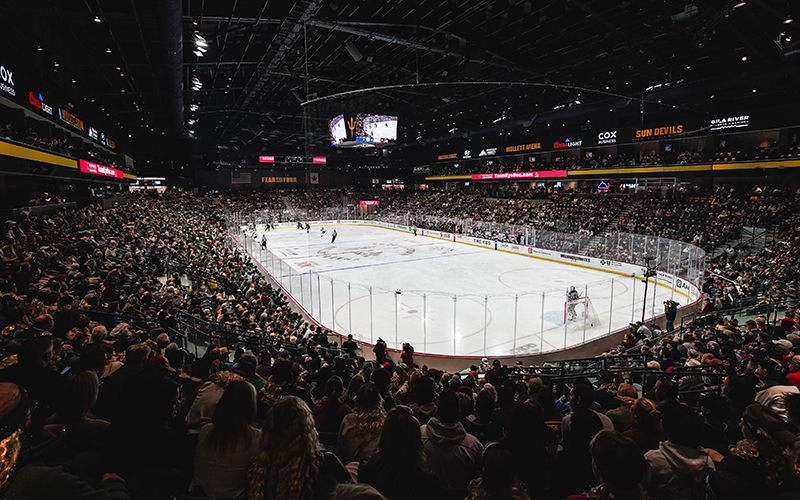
(360,432)
(291,464)
(763,457)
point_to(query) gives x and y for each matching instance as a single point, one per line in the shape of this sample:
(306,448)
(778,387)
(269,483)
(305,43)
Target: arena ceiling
(237,72)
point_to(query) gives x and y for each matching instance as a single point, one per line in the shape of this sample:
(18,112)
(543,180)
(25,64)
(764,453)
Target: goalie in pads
(572,296)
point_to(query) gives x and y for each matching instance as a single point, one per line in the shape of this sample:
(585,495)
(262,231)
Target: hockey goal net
(580,312)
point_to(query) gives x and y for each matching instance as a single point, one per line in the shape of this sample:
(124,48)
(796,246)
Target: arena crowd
(100,397)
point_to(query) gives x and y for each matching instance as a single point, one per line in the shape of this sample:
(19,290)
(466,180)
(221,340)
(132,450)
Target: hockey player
(322,232)
(335,234)
(299,225)
(308,227)
(572,296)
(263,241)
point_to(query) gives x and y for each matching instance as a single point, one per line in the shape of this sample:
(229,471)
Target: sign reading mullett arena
(520,175)
(97,169)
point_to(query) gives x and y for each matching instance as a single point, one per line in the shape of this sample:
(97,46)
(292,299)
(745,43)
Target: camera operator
(670,312)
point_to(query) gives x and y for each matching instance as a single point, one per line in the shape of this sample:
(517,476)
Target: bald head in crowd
(10,397)
(99,333)
(44,322)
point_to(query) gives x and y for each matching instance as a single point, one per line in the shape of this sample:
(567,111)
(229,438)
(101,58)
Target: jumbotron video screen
(376,128)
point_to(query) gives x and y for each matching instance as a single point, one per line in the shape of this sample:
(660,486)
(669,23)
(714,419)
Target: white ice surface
(497,293)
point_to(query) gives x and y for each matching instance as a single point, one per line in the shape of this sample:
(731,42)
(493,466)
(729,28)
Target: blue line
(392,263)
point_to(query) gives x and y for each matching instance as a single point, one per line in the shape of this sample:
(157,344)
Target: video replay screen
(364,128)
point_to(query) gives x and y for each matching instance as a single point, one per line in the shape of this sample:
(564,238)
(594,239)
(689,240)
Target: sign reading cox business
(7,81)
(607,137)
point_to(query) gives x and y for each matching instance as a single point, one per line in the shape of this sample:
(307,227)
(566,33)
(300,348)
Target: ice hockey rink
(446,297)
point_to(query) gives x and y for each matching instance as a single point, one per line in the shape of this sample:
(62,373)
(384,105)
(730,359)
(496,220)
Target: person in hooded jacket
(677,469)
(451,453)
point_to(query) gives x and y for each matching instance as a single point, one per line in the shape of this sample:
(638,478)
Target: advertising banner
(520,175)
(97,169)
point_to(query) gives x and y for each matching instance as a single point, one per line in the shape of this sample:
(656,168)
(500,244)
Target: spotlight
(744,58)
(108,50)
(740,4)
(788,20)
(97,19)
(39,48)
(354,52)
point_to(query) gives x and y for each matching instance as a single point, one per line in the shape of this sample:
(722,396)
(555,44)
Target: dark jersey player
(335,234)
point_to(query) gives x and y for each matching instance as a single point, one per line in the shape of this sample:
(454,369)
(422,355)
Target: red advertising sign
(369,202)
(266,159)
(320,159)
(97,169)
(520,175)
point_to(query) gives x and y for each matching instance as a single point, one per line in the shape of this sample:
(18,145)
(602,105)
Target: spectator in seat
(482,426)
(573,473)
(108,400)
(39,482)
(424,392)
(452,454)
(619,466)
(767,448)
(533,445)
(398,470)
(360,432)
(226,446)
(605,395)
(581,396)
(678,467)
(330,410)
(83,431)
(794,370)
(718,432)
(140,446)
(622,417)
(498,478)
(647,428)
(290,462)
(36,373)
(739,394)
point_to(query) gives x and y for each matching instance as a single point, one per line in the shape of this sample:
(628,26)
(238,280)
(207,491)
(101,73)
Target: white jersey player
(572,296)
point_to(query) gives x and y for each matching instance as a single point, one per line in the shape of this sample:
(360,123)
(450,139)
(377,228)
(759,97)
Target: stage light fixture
(354,52)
